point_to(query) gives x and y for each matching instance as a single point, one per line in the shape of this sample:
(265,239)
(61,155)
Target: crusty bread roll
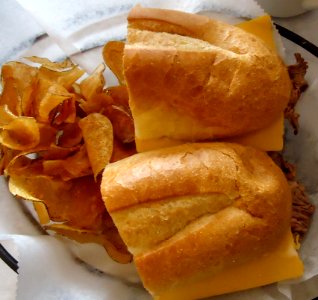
(192,78)
(194,210)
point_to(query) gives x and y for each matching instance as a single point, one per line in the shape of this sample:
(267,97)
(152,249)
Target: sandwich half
(191,78)
(203,219)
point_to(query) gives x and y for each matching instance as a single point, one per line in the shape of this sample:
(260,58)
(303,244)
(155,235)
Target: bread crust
(237,86)
(250,224)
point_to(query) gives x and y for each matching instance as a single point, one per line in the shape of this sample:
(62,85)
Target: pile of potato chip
(57,133)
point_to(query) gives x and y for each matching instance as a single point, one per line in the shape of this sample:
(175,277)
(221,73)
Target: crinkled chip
(6,155)
(121,150)
(119,94)
(54,168)
(78,205)
(56,152)
(71,135)
(65,112)
(29,188)
(120,115)
(74,166)
(6,116)
(55,66)
(11,97)
(123,123)
(113,53)
(27,100)
(98,103)
(20,134)
(48,135)
(78,165)
(94,83)
(76,202)
(22,74)
(53,97)
(65,78)
(17,80)
(98,136)
(42,212)
(24,164)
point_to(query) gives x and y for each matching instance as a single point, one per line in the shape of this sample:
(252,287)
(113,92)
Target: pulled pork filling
(302,209)
(299,84)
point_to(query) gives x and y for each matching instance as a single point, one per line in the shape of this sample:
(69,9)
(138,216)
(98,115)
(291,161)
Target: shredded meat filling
(299,84)
(302,209)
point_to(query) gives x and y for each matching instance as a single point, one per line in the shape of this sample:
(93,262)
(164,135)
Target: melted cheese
(151,144)
(267,139)
(270,138)
(261,27)
(280,264)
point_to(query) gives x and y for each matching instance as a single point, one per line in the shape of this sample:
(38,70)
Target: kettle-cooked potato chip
(93,84)
(119,94)
(20,134)
(113,53)
(123,123)
(78,204)
(121,150)
(55,66)
(78,165)
(42,212)
(99,103)
(66,201)
(53,96)
(6,116)
(98,136)
(17,79)
(65,78)
(71,135)
(56,136)
(10,97)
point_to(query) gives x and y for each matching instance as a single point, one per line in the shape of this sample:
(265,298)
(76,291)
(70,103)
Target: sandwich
(202,207)
(203,219)
(206,79)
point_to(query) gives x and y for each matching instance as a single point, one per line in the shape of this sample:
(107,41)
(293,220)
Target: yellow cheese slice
(266,139)
(280,264)
(270,138)
(152,144)
(261,27)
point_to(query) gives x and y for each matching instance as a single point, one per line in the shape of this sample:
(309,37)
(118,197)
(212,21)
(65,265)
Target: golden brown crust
(236,86)
(197,26)
(135,180)
(252,213)
(163,20)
